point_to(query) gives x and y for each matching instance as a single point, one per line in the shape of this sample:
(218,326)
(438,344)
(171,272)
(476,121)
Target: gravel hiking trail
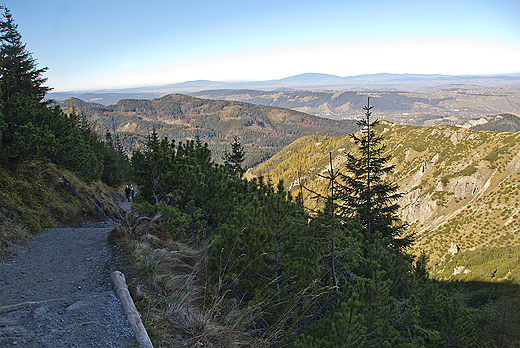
(61,278)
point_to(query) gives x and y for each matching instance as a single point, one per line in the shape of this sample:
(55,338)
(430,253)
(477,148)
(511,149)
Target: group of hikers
(130,193)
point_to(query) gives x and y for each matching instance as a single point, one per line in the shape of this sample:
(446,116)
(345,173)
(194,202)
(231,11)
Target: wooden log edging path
(117,279)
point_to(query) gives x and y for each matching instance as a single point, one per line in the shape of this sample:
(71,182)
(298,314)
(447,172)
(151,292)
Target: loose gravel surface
(64,276)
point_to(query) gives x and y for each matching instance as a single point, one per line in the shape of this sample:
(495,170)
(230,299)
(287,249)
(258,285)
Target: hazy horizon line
(511,74)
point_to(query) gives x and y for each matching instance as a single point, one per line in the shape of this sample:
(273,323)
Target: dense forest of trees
(263,130)
(31,128)
(339,276)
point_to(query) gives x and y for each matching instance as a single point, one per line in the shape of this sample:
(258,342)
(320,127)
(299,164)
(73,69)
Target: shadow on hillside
(493,307)
(478,293)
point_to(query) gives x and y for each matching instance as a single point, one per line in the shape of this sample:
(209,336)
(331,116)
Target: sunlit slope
(461,191)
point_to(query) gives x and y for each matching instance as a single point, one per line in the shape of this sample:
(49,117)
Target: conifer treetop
(364,190)
(18,69)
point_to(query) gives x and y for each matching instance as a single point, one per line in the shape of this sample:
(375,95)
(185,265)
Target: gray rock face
(417,208)
(514,165)
(466,186)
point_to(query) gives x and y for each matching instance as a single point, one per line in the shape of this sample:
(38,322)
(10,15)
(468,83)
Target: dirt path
(68,270)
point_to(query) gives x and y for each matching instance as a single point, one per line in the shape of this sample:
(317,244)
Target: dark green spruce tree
(151,165)
(21,93)
(373,306)
(20,77)
(31,128)
(365,190)
(113,162)
(384,271)
(235,158)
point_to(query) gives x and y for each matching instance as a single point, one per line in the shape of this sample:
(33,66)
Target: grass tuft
(35,195)
(179,305)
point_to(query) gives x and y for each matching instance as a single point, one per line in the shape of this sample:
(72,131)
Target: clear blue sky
(89,44)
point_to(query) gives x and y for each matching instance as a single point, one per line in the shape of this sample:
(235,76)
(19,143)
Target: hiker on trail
(127,192)
(132,192)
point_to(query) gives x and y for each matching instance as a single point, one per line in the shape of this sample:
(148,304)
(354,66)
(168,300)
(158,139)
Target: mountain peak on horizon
(311,81)
(309,75)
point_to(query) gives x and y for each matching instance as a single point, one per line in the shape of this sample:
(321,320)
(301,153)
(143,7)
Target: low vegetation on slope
(219,260)
(35,195)
(461,191)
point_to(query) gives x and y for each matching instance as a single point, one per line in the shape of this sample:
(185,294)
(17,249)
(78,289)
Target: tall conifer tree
(19,73)
(365,191)
(21,93)
(30,128)
(236,157)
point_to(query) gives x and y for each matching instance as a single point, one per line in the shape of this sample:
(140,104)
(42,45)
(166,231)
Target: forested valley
(224,260)
(263,130)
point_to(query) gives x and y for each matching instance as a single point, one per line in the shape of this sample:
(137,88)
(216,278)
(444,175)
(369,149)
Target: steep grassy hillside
(36,195)
(263,130)
(461,192)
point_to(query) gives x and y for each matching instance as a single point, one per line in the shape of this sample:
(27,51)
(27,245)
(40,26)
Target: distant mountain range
(308,81)
(448,104)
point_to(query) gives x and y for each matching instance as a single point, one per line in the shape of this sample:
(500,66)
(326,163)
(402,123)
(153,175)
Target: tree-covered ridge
(263,130)
(459,186)
(500,123)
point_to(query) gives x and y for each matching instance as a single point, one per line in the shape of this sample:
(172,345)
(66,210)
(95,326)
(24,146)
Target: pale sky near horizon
(101,44)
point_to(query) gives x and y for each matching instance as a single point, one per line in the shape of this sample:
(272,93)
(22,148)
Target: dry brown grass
(35,195)
(179,305)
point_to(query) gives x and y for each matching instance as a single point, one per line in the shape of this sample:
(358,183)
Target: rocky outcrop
(466,186)
(454,249)
(456,137)
(423,169)
(514,165)
(460,269)
(417,208)
(414,206)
